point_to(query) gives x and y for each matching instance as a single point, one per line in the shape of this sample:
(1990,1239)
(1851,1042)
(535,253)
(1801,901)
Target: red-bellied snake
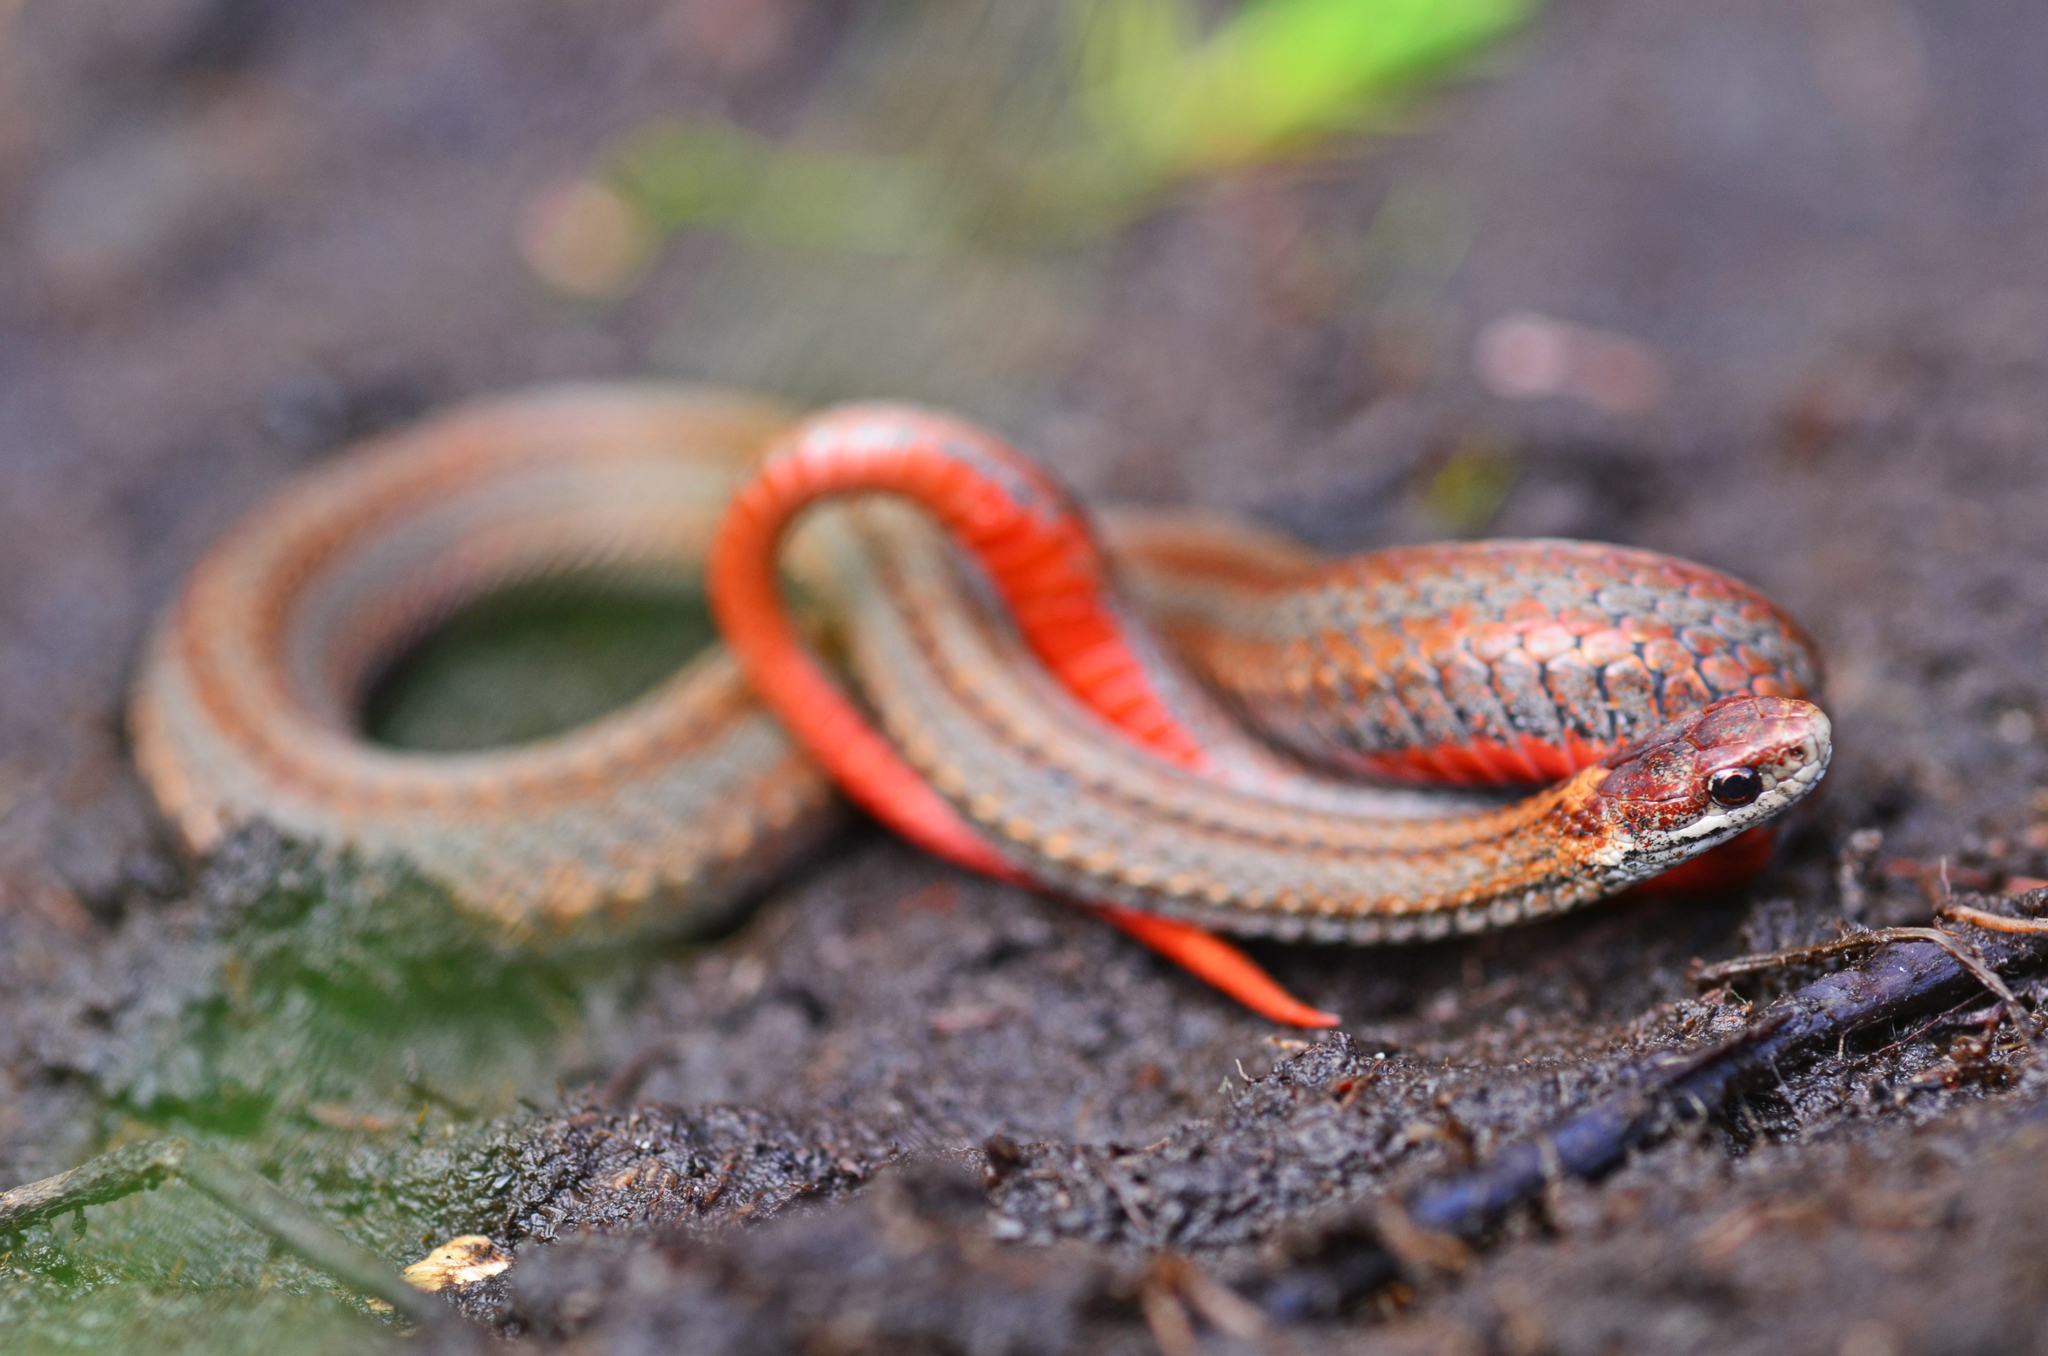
(1056,714)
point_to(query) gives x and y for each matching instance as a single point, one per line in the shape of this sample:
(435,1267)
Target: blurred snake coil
(1170,727)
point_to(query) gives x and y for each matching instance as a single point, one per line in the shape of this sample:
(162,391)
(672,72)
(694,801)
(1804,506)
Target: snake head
(1704,778)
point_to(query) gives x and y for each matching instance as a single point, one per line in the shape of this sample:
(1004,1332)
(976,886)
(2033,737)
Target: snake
(1187,723)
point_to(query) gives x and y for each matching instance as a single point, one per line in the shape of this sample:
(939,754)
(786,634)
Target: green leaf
(1277,74)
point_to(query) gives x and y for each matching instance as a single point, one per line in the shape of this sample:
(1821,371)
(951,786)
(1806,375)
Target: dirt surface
(900,1109)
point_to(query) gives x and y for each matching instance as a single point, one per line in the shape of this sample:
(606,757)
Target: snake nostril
(1735,786)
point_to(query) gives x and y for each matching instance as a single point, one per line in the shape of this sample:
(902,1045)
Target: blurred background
(1759,282)
(1374,271)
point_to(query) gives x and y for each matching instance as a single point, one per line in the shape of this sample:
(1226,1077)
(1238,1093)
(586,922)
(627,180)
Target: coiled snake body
(1027,718)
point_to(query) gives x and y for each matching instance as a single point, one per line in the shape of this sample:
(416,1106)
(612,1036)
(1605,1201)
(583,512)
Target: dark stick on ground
(1865,941)
(144,1167)
(1902,980)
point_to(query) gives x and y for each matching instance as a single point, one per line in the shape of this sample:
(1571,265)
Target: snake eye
(1733,786)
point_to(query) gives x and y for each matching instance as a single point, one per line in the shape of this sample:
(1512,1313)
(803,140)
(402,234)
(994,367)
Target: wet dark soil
(898,1109)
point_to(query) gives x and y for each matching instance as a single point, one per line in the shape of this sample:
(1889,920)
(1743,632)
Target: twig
(1991,922)
(1911,974)
(258,1203)
(1171,1279)
(1863,941)
(143,1167)
(125,1171)
(1168,1318)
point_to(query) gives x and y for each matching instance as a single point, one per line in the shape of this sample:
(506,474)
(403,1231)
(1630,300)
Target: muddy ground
(903,1110)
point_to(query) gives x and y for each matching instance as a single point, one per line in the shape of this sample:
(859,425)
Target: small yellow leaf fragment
(459,1261)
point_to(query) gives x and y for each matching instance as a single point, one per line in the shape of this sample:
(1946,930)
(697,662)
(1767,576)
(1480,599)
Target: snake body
(245,706)
(1021,717)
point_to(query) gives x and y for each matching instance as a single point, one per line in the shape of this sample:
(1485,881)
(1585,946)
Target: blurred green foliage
(692,173)
(1270,79)
(1469,487)
(96,1307)
(1138,99)
(340,1028)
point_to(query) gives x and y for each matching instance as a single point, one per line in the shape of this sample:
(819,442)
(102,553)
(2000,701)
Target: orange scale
(1494,640)
(1685,691)
(1754,662)
(1545,643)
(1584,621)
(1114,693)
(1548,760)
(1404,766)
(1449,655)
(1642,629)
(1440,763)
(1375,647)
(1007,540)
(1058,612)
(1584,752)
(1703,587)
(1431,635)
(1768,685)
(1665,655)
(1703,640)
(1099,658)
(1526,612)
(1589,578)
(1055,580)
(1602,648)
(1724,673)
(1361,677)
(1474,764)
(1626,675)
(1466,766)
